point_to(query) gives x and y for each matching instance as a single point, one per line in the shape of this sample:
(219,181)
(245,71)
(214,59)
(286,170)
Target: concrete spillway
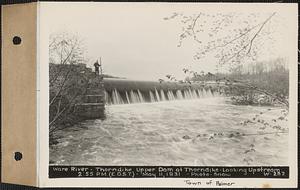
(121,91)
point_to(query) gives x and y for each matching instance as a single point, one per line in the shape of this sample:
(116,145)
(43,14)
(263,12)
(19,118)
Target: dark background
(4,186)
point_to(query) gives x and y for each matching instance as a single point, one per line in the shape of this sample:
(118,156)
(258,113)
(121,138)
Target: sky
(135,42)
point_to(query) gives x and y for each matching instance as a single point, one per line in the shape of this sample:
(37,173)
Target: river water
(199,132)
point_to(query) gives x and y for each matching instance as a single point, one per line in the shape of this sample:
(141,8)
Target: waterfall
(195,94)
(157,95)
(116,97)
(187,94)
(141,96)
(133,96)
(190,93)
(162,94)
(106,97)
(170,95)
(217,93)
(200,92)
(179,95)
(142,100)
(204,93)
(127,97)
(152,99)
(208,93)
(113,97)
(212,93)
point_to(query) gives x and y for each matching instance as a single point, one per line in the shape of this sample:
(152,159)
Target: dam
(187,124)
(124,91)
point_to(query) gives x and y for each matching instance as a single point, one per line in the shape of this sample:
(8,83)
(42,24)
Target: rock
(186,137)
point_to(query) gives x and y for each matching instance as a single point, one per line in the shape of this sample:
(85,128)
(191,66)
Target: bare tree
(67,80)
(231,39)
(64,49)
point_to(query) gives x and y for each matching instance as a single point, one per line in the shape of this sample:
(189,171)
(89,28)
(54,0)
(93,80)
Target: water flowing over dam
(121,91)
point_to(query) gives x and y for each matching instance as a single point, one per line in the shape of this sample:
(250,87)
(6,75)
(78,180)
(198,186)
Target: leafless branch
(61,87)
(261,27)
(193,27)
(250,42)
(62,111)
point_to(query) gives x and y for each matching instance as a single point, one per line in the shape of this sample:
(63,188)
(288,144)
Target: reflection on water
(186,132)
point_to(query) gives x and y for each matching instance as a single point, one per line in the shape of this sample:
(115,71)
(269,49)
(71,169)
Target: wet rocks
(186,137)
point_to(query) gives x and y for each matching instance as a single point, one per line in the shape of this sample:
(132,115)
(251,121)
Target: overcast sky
(134,41)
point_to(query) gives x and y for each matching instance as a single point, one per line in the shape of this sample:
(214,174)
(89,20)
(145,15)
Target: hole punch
(18,156)
(17,40)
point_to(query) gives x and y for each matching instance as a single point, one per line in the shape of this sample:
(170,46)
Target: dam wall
(122,91)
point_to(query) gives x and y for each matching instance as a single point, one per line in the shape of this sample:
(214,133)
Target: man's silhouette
(97,66)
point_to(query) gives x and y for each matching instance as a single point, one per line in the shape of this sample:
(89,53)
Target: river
(198,132)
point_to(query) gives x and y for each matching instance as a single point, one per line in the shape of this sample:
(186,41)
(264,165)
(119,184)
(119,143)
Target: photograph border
(159,182)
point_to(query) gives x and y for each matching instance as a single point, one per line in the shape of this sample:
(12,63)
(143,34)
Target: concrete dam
(123,91)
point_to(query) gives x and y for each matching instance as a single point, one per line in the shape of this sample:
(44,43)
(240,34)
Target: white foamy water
(195,132)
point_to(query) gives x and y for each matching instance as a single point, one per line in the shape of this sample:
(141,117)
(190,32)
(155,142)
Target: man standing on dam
(97,66)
